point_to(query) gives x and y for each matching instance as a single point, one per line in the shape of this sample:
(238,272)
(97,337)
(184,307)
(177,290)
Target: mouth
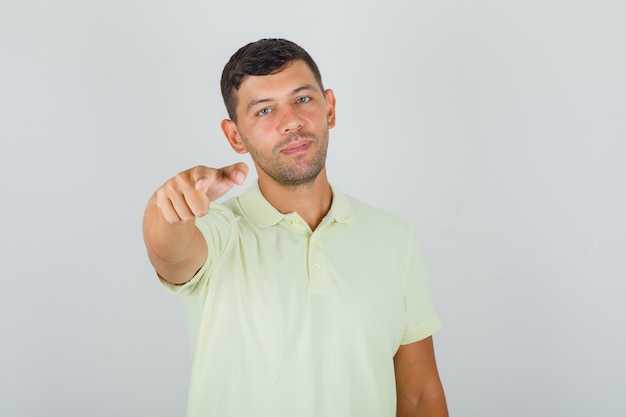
(295,148)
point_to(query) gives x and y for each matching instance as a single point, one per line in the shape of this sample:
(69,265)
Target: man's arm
(175,246)
(418,386)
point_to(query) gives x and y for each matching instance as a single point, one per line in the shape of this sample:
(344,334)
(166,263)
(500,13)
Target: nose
(291,121)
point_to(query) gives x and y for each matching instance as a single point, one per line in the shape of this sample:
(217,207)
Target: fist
(189,194)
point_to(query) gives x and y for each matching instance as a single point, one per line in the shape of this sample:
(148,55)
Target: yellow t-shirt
(286,322)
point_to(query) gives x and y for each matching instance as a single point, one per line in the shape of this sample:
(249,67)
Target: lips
(295,148)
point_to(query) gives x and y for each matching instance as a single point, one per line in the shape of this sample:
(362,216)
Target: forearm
(426,406)
(418,386)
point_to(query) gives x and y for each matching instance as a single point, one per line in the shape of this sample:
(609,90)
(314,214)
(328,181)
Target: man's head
(262,57)
(279,112)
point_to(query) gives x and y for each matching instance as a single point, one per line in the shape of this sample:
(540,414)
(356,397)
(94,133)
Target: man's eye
(264,111)
(305,99)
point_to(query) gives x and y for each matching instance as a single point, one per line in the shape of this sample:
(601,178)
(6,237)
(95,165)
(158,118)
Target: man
(301,301)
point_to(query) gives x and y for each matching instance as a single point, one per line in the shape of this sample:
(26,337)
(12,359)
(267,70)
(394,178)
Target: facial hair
(293,171)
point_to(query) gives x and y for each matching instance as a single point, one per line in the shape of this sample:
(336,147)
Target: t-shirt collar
(263,214)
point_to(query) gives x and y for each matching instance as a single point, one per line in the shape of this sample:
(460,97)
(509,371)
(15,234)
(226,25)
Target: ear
(232,135)
(330,107)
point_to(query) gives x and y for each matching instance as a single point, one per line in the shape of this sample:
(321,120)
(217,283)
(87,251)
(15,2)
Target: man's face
(283,121)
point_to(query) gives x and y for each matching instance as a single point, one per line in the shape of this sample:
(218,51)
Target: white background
(497,127)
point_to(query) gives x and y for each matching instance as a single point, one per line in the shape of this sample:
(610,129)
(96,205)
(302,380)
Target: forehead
(281,83)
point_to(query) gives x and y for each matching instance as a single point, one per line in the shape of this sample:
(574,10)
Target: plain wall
(498,128)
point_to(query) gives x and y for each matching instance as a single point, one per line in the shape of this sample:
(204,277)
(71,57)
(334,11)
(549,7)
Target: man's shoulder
(367,213)
(230,206)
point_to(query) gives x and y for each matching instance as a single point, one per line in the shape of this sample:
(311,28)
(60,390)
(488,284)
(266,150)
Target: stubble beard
(302,169)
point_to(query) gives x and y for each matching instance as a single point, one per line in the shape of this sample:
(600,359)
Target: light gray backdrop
(498,128)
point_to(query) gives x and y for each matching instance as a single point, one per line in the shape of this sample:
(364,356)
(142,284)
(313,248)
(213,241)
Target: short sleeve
(217,228)
(421,320)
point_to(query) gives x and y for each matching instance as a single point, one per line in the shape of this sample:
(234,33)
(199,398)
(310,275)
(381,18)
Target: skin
(418,386)
(283,121)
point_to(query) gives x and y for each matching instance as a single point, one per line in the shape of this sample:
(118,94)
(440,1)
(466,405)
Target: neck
(311,200)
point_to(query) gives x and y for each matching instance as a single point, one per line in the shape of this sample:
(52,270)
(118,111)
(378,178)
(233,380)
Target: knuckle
(201,212)
(178,181)
(168,188)
(186,217)
(171,218)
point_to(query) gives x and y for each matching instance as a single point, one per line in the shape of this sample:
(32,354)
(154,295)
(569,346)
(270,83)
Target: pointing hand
(189,194)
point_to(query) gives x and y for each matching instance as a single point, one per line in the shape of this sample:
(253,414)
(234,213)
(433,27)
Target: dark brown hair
(263,57)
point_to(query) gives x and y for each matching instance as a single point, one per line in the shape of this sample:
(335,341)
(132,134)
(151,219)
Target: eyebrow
(266,100)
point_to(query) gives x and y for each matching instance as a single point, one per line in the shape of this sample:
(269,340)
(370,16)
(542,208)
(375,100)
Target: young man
(301,301)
